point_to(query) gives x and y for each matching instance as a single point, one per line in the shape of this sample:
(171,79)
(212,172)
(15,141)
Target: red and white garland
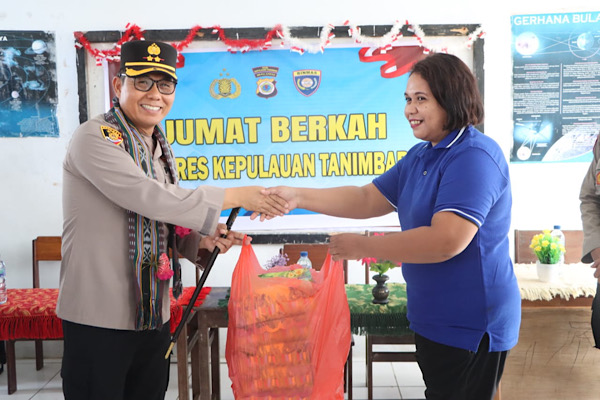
(384,42)
(301,46)
(133,32)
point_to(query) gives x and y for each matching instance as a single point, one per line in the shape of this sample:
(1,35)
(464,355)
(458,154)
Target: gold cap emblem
(153,52)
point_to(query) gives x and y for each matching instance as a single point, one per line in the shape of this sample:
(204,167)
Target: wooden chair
(524,254)
(317,252)
(43,248)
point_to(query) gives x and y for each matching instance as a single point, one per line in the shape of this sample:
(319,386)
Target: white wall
(31,175)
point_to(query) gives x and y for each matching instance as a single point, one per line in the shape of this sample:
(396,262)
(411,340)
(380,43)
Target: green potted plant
(548,250)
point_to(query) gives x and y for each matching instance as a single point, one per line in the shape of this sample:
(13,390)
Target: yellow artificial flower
(547,248)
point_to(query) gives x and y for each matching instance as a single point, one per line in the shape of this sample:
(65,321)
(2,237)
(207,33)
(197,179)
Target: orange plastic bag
(288,337)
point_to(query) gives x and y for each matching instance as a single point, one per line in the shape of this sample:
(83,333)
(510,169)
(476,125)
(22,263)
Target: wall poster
(556,86)
(28,93)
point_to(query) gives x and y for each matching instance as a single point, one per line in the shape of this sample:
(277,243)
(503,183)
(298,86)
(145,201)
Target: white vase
(548,272)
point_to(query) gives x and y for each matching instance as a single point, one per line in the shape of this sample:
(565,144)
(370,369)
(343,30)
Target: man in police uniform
(121,204)
(590,218)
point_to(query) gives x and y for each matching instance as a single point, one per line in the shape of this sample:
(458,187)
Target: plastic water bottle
(561,238)
(3,296)
(304,261)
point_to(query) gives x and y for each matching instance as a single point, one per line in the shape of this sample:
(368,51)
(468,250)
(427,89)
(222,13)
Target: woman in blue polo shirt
(453,197)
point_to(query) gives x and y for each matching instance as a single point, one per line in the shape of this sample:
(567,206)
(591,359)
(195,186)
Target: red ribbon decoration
(134,32)
(131,32)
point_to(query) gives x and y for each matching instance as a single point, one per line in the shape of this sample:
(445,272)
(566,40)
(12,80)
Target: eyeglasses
(145,83)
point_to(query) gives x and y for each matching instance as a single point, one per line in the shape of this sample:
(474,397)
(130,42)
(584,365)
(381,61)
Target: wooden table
(205,359)
(575,288)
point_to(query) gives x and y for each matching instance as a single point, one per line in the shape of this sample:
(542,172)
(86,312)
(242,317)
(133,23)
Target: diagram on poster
(556,86)
(28,94)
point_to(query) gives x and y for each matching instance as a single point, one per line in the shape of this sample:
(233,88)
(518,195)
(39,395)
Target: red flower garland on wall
(245,45)
(134,32)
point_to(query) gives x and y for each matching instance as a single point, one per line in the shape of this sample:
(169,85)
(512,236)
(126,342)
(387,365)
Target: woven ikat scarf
(146,238)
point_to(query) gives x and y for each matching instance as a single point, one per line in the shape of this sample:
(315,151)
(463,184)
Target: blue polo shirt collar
(450,139)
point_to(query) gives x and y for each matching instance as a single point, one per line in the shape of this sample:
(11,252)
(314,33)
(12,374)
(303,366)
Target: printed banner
(279,118)
(556,86)
(28,94)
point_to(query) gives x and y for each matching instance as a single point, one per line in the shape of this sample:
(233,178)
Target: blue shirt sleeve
(471,191)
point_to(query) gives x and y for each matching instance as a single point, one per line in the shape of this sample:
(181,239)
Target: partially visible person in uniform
(590,218)
(122,206)
(453,197)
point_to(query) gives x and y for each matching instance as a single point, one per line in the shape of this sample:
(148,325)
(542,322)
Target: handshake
(265,203)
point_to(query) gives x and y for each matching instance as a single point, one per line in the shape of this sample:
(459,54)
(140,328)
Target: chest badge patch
(111,134)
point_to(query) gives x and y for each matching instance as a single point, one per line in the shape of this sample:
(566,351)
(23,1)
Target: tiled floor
(392,381)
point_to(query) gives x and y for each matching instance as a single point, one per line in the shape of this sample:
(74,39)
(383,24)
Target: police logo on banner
(225,88)
(307,81)
(265,86)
